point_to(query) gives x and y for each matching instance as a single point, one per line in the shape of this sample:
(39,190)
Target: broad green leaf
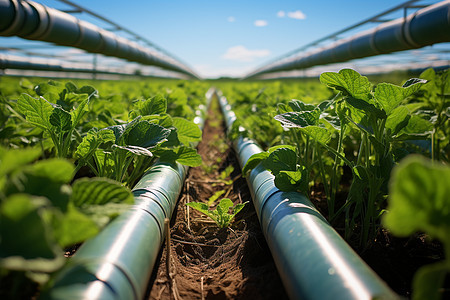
(419,199)
(172,139)
(271,149)
(71,100)
(288,181)
(428,281)
(282,159)
(324,105)
(348,81)
(188,157)
(416,82)
(46,178)
(121,131)
(283,108)
(291,119)
(86,191)
(398,119)
(152,106)
(74,227)
(203,208)
(53,169)
(224,206)
(417,125)
(367,107)
(89,144)
(80,111)
(300,106)
(92,141)
(104,214)
(36,111)
(319,134)
(334,121)
(238,208)
(390,95)
(71,87)
(61,119)
(163,120)
(187,131)
(253,161)
(87,89)
(13,159)
(298,119)
(50,87)
(184,155)
(26,242)
(412,136)
(145,134)
(135,150)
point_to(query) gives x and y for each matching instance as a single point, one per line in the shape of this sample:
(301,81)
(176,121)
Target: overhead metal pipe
(425,27)
(313,261)
(24,63)
(34,21)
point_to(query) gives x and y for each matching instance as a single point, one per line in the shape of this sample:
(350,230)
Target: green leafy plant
(419,201)
(434,101)
(221,214)
(41,213)
(58,111)
(282,162)
(153,133)
(376,118)
(382,121)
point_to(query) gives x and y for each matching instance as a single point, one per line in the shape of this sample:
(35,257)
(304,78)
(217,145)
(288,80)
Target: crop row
(378,135)
(69,155)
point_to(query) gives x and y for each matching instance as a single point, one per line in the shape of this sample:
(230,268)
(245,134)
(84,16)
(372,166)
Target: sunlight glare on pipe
(340,267)
(95,290)
(120,241)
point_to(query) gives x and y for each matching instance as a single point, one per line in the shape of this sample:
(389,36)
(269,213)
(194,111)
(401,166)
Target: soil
(208,262)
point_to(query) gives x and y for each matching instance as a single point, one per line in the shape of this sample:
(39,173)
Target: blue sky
(232,37)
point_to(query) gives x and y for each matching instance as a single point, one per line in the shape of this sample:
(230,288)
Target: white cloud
(281,14)
(260,23)
(240,53)
(298,14)
(231,19)
(210,71)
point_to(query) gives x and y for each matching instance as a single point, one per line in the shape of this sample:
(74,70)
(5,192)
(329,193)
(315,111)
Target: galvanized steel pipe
(34,21)
(24,63)
(425,27)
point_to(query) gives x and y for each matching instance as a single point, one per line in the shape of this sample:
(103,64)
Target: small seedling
(221,214)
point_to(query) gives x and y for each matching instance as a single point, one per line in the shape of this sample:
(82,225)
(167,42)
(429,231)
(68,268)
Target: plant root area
(207,262)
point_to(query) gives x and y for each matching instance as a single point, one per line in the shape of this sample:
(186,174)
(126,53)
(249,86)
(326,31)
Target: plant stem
(366,150)
(324,181)
(297,142)
(349,163)
(334,181)
(433,141)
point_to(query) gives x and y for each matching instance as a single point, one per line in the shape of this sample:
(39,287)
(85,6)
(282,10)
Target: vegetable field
(280,184)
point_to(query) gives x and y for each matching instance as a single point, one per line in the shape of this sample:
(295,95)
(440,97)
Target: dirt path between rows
(208,263)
